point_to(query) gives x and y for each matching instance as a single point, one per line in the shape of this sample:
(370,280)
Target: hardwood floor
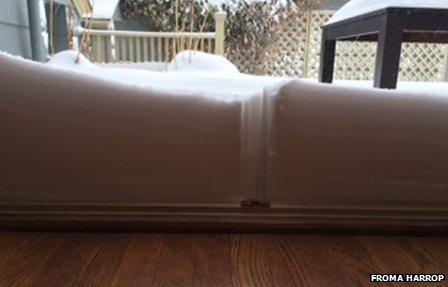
(172,259)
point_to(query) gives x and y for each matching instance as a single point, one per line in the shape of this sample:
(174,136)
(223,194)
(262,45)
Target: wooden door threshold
(220,219)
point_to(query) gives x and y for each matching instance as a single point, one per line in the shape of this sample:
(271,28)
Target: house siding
(334,4)
(60,29)
(14,27)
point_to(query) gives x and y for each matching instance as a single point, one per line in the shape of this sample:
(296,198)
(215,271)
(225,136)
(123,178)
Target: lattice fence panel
(297,53)
(239,58)
(288,55)
(285,57)
(355,60)
(318,19)
(423,62)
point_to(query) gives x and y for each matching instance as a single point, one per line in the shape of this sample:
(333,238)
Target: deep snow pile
(206,75)
(67,60)
(426,88)
(421,88)
(149,66)
(201,62)
(196,78)
(359,7)
(91,140)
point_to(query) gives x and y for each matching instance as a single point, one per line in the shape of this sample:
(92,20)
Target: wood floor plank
(264,260)
(213,263)
(170,259)
(69,261)
(22,261)
(336,260)
(248,260)
(431,254)
(102,269)
(176,263)
(140,262)
(176,260)
(11,242)
(408,255)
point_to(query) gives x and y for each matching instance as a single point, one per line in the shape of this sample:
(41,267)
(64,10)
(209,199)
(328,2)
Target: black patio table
(390,27)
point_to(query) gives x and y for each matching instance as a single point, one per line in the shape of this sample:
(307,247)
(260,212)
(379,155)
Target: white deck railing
(110,46)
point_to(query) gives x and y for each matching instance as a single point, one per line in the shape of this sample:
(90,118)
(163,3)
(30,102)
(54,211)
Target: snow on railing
(110,46)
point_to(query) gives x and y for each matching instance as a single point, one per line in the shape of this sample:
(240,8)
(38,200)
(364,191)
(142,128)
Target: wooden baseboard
(220,219)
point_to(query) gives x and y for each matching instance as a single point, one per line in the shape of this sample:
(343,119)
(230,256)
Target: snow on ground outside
(200,62)
(210,81)
(211,63)
(204,76)
(150,66)
(359,7)
(67,60)
(425,88)
(229,86)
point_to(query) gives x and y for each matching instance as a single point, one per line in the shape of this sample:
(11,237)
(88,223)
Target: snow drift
(90,135)
(202,62)
(349,148)
(70,60)
(219,81)
(70,137)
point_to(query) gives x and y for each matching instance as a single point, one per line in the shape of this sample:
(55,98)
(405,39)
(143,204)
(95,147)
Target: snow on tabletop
(356,8)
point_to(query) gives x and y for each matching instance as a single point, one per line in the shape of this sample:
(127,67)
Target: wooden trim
(219,218)
(102,24)
(205,35)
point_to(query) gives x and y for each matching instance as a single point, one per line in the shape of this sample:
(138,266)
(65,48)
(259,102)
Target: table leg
(328,53)
(388,53)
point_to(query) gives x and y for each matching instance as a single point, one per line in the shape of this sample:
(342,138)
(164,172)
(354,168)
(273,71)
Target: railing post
(95,49)
(111,49)
(220,18)
(113,46)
